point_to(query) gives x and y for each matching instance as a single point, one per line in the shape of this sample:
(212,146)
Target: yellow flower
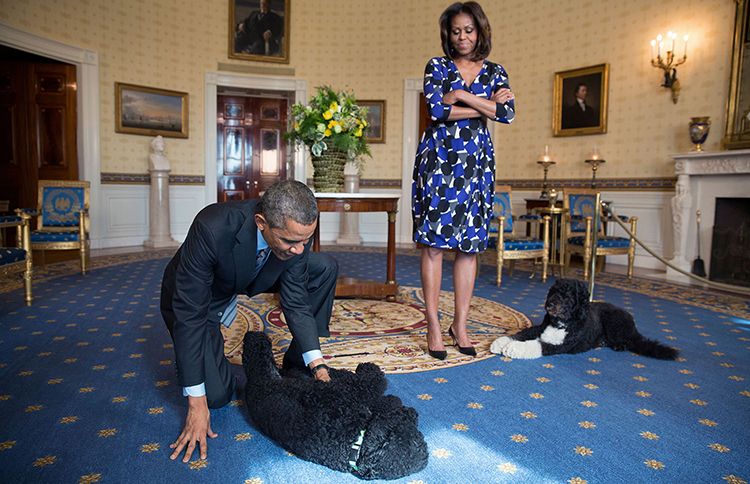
(364,122)
(296,126)
(327,115)
(327,133)
(358,133)
(332,123)
(334,106)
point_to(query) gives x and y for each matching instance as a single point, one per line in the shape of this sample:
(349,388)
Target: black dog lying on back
(347,424)
(574,325)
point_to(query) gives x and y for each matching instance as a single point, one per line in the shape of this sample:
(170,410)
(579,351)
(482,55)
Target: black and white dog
(574,325)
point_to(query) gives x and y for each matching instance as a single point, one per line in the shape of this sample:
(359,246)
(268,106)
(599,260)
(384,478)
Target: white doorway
(87,80)
(412,90)
(244,81)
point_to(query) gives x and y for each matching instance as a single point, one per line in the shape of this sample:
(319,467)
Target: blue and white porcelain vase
(699,128)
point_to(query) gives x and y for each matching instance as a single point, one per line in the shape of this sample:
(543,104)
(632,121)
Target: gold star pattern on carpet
(44,461)
(654,464)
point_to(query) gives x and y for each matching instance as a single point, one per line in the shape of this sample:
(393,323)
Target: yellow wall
(371,46)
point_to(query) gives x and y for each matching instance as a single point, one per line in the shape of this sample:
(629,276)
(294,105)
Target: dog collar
(356,448)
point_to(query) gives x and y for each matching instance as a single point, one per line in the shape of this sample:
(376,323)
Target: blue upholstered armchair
(17,260)
(510,247)
(581,204)
(62,218)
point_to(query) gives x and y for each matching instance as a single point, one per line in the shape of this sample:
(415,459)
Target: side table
(558,236)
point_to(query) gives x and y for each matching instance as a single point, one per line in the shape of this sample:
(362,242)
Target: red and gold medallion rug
(389,334)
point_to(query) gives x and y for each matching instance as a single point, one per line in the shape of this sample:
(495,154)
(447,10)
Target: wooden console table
(364,202)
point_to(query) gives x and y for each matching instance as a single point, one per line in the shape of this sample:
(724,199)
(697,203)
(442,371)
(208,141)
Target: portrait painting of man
(259,30)
(581,101)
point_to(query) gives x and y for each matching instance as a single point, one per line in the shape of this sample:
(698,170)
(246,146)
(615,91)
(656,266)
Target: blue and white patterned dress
(454,170)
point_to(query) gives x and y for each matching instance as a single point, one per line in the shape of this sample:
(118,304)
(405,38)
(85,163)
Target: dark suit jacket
(251,40)
(574,117)
(217,261)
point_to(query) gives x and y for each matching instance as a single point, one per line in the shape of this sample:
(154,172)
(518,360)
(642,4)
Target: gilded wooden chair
(17,260)
(63,218)
(510,247)
(579,220)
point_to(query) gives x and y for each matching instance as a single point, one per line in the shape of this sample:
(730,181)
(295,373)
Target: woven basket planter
(328,171)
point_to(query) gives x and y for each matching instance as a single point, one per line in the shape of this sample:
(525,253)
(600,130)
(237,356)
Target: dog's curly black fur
(320,421)
(573,325)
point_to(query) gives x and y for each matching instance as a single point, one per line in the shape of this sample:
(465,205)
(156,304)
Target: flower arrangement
(331,121)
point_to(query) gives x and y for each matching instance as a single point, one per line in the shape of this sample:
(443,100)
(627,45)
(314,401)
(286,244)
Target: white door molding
(87,98)
(412,90)
(267,83)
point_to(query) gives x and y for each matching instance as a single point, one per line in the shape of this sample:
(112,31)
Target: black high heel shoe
(464,350)
(437,354)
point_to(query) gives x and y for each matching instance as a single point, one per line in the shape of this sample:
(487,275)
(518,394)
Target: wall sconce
(669,62)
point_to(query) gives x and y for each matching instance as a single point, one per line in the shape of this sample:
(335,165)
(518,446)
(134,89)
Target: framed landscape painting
(150,111)
(376,120)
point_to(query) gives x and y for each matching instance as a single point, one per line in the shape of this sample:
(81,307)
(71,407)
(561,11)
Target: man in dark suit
(580,114)
(245,247)
(261,32)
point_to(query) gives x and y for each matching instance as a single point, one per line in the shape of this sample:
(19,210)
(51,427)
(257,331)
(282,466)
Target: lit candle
(546,153)
(594,153)
(659,44)
(684,53)
(672,36)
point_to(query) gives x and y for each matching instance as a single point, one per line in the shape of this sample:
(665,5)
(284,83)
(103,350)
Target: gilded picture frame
(375,119)
(737,131)
(259,30)
(580,101)
(150,111)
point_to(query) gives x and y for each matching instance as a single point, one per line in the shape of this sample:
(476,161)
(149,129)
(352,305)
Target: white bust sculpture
(157,160)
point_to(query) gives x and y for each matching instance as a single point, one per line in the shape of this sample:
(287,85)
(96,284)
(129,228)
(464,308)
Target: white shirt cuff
(311,355)
(194,391)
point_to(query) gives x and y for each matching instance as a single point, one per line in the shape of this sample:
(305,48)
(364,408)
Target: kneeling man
(243,247)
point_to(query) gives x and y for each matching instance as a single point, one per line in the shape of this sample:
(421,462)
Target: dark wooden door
(250,143)
(37,127)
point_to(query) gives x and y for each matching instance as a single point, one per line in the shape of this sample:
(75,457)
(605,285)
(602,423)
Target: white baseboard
(126,219)
(654,227)
(126,211)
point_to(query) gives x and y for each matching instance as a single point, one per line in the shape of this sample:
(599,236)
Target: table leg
(553,248)
(563,242)
(391,252)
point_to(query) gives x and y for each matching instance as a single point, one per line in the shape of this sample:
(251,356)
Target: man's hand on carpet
(197,426)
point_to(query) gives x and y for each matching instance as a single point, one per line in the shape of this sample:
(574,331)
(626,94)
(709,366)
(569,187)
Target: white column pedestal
(159,232)
(349,222)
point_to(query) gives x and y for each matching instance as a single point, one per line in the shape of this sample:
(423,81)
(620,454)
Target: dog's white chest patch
(553,336)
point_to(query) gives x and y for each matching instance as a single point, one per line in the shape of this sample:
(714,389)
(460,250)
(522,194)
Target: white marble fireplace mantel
(702,178)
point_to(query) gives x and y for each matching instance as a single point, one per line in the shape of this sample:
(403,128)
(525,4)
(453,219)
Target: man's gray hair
(288,199)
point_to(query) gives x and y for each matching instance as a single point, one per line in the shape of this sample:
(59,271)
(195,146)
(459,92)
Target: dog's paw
(523,350)
(498,345)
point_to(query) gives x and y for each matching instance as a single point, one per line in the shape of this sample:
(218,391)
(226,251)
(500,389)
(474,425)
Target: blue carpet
(88,394)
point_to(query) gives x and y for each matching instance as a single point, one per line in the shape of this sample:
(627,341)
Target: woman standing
(454,170)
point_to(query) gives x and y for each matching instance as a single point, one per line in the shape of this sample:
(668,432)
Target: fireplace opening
(730,244)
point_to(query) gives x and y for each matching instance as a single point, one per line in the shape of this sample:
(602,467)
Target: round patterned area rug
(389,334)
